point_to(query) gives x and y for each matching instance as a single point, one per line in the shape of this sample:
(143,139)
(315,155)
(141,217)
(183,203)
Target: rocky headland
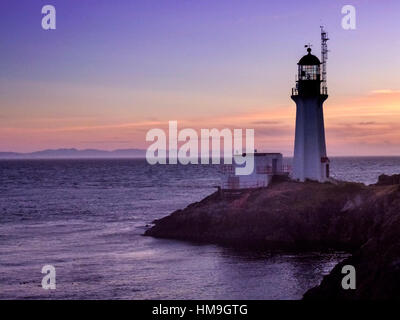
(288,215)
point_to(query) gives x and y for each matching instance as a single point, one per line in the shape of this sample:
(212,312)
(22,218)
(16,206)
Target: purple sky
(111,63)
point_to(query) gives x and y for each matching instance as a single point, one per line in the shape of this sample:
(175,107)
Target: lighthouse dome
(309,59)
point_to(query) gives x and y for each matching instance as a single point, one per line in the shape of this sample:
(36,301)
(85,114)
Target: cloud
(266,122)
(385,91)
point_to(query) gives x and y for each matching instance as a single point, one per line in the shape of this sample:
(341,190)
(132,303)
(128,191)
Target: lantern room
(308,80)
(309,67)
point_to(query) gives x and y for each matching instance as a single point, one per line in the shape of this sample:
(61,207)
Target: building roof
(309,59)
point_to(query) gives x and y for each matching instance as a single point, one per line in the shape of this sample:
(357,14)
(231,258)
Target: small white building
(266,165)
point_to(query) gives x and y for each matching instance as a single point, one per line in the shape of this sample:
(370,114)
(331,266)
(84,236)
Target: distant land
(75,153)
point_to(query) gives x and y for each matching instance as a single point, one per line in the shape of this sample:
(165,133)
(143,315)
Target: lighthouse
(310,158)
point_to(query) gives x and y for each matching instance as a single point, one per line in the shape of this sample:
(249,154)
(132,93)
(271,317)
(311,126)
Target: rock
(385,180)
(377,261)
(364,220)
(287,214)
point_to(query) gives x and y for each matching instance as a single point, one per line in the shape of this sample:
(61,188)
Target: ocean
(87,218)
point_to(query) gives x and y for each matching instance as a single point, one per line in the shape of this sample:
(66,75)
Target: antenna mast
(324,54)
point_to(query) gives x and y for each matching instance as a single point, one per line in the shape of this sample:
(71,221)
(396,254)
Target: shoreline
(301,217)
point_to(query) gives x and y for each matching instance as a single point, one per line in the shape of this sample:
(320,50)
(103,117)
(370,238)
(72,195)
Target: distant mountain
(75,153)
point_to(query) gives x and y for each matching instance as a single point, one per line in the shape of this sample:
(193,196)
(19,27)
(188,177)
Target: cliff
(364,220)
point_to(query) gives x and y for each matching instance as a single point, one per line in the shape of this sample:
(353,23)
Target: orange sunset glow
(105,88)
(361,125)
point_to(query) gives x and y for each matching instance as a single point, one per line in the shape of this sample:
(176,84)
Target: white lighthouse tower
(310,158)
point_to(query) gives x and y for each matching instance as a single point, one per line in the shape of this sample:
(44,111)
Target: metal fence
(229,169)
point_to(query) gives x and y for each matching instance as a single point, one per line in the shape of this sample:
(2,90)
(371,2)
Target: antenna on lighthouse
(324,54)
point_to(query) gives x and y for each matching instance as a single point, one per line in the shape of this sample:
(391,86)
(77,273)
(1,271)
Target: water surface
(87,217)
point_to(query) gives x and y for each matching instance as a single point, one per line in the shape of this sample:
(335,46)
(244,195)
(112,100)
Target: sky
(113,70)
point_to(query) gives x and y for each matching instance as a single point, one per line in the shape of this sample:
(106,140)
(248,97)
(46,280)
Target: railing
(229,169)
(244,185)
(287,168)
(271,170)
(323,91)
